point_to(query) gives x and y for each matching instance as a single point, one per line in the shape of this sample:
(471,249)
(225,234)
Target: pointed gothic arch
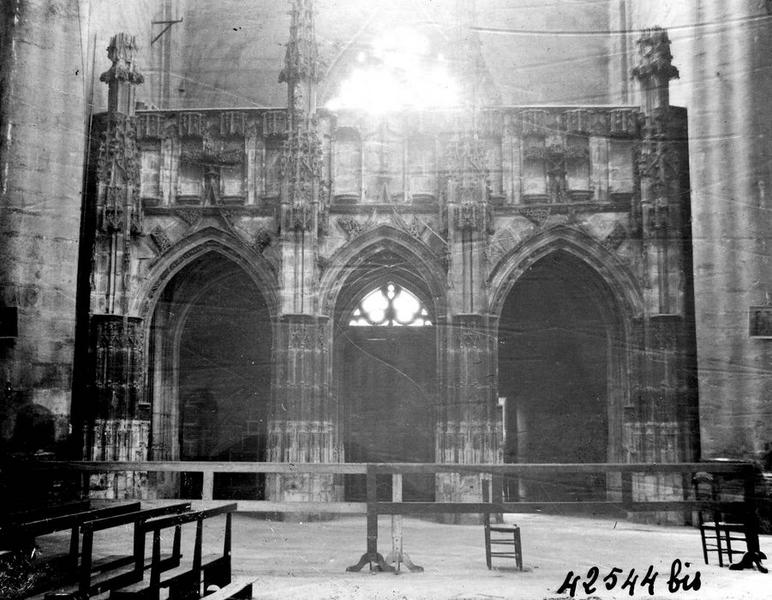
(422,270)
(565,308)
(191,248)
(209,322)
(385,374)
(515,263)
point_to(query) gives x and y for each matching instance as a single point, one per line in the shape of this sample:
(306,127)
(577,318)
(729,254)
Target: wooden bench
(21,535)
(183,583)
(90,576)
(98,577)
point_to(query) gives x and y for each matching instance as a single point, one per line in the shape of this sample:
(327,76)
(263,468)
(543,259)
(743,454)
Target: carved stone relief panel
(150,176)
(422,168)
(577,158)
(272,169)
(347,166)
(534,172)
(189,183)
(384,165)
(620,166)
(493,159)
(232,184)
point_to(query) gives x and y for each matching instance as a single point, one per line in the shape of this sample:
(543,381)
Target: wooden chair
(500,535)
(721,531)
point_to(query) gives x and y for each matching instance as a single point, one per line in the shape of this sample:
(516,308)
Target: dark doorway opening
(388,387)
(211,346)
(555,340)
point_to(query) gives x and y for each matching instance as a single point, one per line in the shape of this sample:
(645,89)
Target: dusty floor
(309,560)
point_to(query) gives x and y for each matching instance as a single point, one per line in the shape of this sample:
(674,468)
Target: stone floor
(309,560)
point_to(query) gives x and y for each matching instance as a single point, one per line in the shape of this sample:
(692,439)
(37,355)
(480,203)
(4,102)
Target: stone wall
(41,160)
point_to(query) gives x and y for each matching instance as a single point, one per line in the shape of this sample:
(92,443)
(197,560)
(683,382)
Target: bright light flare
(399,72)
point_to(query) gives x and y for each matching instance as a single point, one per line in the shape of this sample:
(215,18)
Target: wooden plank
(237,585)
(156,525)
(627,490)
(207,487)
(396,520)
(204,467)
(360,508)
(372,514)
(266,506)
(406,508)
(148,513)
(562,468)
(40,514)
(390,468)
(54,524)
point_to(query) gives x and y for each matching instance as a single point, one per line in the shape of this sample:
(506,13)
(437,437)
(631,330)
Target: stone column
(41,152)
(119,425)
(118,420)
(658,166)
(121,419)
(468,428)
(302,424)
(667,400)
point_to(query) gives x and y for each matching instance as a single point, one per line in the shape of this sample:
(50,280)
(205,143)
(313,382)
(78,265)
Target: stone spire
(654,71)
(123,75)
(301,161)
(301,63)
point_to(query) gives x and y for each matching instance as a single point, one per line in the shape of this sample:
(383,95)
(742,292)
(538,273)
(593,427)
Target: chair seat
(505,528)
(725,525)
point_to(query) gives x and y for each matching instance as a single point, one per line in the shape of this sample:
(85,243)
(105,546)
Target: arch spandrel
(426,276)
(620,281)
(192,248)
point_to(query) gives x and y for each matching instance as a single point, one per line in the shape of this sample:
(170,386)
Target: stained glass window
(390,305)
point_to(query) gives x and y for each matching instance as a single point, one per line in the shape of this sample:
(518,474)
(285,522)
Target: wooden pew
(96,578)
(93,577)
(21,535)
(183,584)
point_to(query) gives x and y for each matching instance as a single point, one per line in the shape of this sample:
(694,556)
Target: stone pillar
(468,428)
(658,168)
(118,428)
(302,425)
(303,421)
(667,400)
(121,423)
(117,421)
